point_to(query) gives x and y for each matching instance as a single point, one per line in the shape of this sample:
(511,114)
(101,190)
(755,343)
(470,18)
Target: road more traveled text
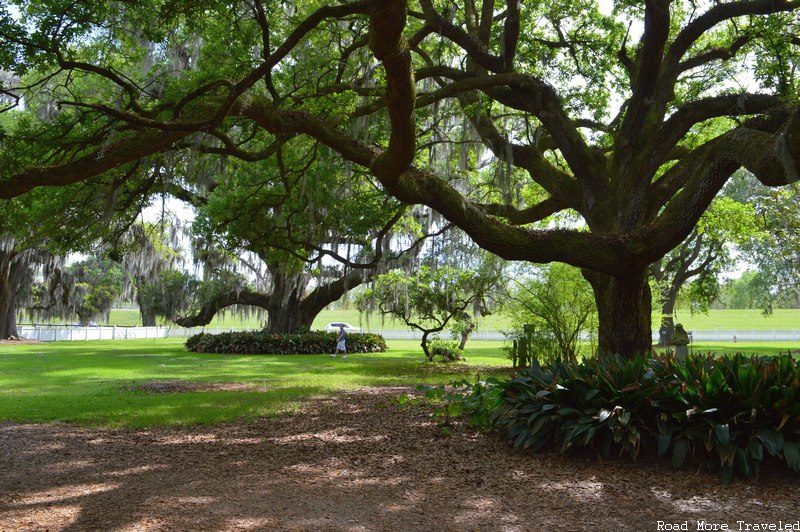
(740,525)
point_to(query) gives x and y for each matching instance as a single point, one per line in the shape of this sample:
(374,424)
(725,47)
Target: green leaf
(723,434)
(756,450)
(680,449)
(772,440)
(742,463)
(664,441)
(603,415)
(791,453)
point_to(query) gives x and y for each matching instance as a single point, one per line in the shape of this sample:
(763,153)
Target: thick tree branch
(693,113)
(771,157)
(638,121)
(231,149)
(718,13)
(715,54)
(125,148)
(510,34)
(207,312)
(297,35)
(530,215)
(470,43)
(387,22)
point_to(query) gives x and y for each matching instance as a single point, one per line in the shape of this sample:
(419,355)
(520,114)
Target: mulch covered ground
(356,461)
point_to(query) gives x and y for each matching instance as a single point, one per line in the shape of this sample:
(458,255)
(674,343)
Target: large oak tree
(633,119)
(290,235)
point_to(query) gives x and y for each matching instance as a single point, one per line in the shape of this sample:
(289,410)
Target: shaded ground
(352,462)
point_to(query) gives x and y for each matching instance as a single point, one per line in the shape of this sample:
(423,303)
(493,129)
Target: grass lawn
(98,383)
(95,383)
(739,319)
(747,348)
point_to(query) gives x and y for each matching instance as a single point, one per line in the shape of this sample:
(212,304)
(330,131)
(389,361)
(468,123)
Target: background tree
(92,286)
(429,299)
(697,263)
(533,81)
(751,290)
(559,303)
(16,268)
(773,257)
(777,255)
(169,294)
(146,253)
(296,250)
(43,227)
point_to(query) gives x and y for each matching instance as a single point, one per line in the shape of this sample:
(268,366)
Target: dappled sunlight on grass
(99,383)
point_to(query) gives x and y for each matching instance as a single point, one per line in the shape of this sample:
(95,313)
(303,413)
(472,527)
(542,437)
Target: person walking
(341,343)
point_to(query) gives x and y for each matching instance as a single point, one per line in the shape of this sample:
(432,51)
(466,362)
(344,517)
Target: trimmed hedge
(263,343)
(729,413)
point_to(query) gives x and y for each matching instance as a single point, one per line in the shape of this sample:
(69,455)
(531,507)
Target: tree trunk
(8,310)
(326,293)
(284,313)
(12,270)
(623,311)
(147,314)
(289,309)
(467,331)
(424,344)
(667,321)
(284,316)
(148,318)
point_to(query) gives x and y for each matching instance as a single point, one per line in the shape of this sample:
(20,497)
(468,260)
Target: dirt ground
(353,462)
(18,341)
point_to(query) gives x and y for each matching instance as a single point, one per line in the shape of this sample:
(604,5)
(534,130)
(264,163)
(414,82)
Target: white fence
(50,333)
(736,335)
(55,333)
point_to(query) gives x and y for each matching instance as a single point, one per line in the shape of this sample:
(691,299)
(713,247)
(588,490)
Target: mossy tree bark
(13,267)
(623,311)
(290,308)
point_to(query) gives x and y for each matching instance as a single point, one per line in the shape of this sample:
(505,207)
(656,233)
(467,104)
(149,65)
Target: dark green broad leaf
(756,450)
(679,451)
(742,463)
(723,433)
(664,441)
(772,440)
(591,394)
(791,453)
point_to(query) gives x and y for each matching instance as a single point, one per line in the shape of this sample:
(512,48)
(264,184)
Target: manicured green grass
(98,383)
(747,348)
(739,319)
(95,383)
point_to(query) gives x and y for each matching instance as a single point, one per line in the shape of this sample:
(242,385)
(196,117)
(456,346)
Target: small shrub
(448,351)
(261,342)
(725,413)
(475,400)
